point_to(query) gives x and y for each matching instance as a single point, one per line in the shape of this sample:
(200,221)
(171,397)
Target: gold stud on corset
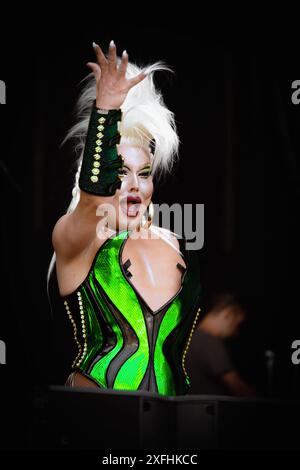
(189,340)
(75,333)
(82,350)
(83,328)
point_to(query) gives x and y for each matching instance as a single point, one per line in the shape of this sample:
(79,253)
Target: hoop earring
(147,219)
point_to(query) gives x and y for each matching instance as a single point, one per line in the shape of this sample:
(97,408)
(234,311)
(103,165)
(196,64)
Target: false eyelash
(144,175)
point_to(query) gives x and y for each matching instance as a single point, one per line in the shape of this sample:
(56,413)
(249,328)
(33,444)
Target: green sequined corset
(122,343)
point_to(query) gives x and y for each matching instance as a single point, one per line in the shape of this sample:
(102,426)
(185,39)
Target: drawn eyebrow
(146,167)
(143,168)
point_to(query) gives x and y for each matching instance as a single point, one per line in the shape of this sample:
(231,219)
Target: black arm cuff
(101,162)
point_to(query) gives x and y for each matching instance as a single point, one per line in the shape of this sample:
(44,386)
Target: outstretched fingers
(112,57)
(135,80)
(111,72)
(101,59)
(123,65)
(95,69)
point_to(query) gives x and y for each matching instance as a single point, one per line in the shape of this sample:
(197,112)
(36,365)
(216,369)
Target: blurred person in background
(208,362)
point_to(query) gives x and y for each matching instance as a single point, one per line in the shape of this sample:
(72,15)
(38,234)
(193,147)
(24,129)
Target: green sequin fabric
(127,345)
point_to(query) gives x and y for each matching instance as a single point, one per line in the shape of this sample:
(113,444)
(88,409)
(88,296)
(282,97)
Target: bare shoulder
(67,238)
(58,232)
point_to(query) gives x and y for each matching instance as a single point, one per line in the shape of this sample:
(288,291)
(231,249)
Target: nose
(133,183)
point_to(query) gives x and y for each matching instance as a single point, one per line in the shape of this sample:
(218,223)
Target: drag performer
(130,289)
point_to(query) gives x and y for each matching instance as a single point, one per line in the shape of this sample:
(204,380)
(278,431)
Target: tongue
(132,209)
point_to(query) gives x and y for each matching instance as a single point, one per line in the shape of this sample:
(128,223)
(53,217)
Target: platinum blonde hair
(145,118)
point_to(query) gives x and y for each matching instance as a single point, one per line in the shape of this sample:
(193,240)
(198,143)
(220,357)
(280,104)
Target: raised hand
(112,84)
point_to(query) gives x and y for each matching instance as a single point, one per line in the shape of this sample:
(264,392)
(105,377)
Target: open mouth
(131,206)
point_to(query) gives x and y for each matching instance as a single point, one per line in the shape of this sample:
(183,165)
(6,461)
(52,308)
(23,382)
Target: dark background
(239,156)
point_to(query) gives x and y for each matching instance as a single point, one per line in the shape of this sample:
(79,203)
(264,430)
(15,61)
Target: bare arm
(237,385)
(74,232)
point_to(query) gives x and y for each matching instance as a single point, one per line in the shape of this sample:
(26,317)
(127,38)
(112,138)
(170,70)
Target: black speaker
(223,422)
(70,418)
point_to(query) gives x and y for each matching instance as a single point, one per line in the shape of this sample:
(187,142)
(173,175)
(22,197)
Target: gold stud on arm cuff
(102,111)
(101,123)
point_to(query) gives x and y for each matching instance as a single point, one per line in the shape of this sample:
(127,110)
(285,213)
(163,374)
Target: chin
(128,223)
